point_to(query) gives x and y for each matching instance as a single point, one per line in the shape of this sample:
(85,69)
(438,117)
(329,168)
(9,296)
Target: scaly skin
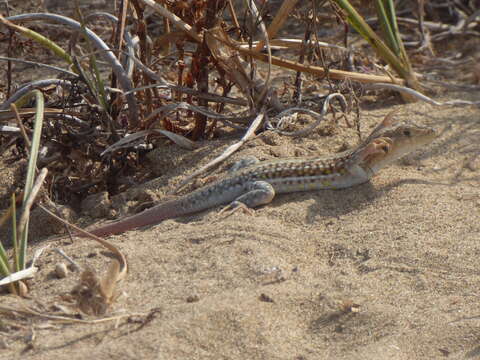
(257,184)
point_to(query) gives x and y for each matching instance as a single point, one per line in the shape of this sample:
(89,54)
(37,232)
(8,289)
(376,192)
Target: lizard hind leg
(258,193)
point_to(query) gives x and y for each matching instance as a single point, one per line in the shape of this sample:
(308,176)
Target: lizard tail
(154,215)
(199,200)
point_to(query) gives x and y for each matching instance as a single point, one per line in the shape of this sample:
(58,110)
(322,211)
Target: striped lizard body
(255,183)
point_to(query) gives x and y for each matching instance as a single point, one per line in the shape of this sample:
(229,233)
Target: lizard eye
(406,132)
(385,149)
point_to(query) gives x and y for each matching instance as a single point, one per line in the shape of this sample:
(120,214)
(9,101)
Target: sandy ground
(404,249)
(401,252)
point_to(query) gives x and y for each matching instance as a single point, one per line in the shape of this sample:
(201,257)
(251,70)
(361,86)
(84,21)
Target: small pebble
(61,270)
(22,289)
(192,298)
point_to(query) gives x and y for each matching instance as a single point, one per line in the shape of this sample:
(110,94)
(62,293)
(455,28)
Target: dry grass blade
(315,70)
(6,115)
(420,96)
(27,273)
(29,312)
(282,43)
(14,110)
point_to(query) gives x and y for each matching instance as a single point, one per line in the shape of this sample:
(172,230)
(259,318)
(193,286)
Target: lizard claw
(235,206)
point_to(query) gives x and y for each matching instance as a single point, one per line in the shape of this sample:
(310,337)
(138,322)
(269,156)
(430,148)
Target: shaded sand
(404,248)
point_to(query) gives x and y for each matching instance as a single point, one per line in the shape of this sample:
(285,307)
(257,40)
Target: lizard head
(392,140)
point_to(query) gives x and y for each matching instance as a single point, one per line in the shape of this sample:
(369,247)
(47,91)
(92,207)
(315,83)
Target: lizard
(252,183)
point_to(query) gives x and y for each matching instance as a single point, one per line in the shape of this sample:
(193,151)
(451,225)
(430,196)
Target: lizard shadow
(462,140)
(335,203)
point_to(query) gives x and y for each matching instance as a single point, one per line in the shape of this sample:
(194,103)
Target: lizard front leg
(243,163)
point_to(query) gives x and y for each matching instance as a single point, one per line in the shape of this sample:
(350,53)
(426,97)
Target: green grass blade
(102,98)
(16,263)
(40,39)
(392,17)
(361,26)
(398,62)
(4,269)
(100,86)
(32,162)
(390,8)
(385,18)
(47,43)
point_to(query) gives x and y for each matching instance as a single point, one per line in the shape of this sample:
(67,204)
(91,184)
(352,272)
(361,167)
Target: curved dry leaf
(19,275)
(180,140)
(135,138)
(109,281)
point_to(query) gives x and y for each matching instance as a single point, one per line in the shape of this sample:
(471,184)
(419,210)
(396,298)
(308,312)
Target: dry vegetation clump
(188,67)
